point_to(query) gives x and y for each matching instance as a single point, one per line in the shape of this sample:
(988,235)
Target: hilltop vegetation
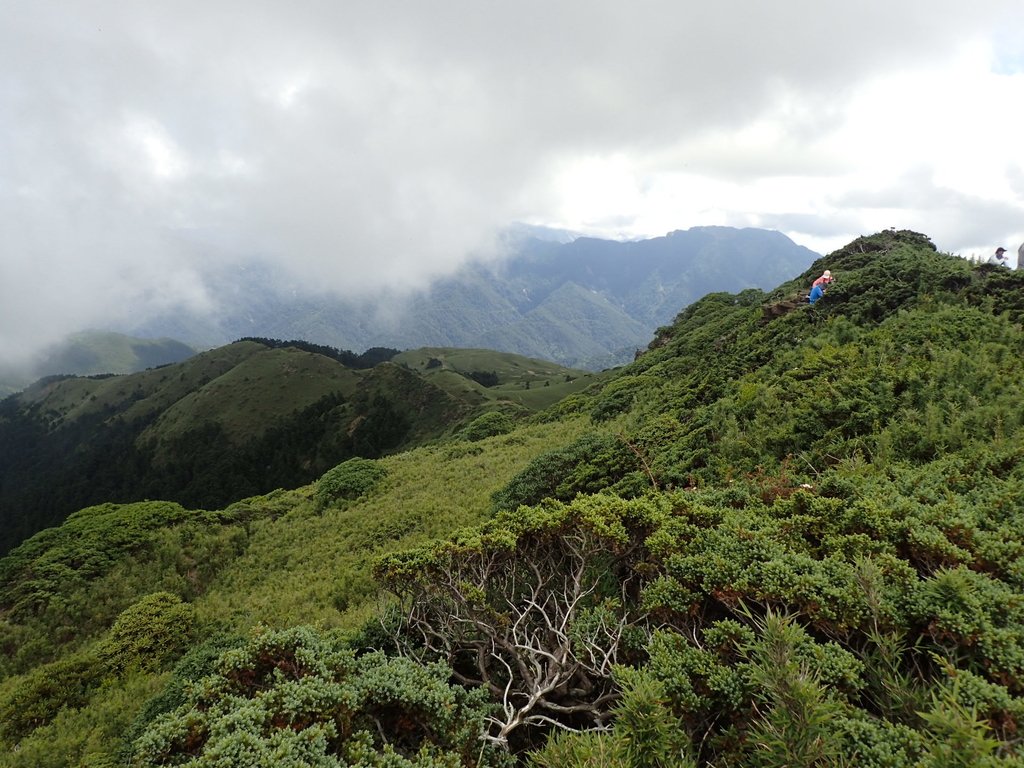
(784,536)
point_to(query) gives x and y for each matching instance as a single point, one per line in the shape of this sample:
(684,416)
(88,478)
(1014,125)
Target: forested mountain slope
(785,536)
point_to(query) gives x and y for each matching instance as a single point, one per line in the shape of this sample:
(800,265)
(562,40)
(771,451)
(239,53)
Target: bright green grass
(309,568)
(508,366)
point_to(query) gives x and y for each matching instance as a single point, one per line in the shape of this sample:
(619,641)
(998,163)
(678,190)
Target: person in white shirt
(999,257)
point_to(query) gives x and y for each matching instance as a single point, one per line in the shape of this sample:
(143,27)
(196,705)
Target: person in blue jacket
(818,286)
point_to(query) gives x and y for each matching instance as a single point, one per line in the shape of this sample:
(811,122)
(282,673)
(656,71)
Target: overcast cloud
(374,143)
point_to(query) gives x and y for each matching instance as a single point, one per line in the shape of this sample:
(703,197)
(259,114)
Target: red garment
(821,281)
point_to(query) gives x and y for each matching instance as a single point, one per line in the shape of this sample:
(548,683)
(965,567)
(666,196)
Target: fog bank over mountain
(360,146)
(579,301)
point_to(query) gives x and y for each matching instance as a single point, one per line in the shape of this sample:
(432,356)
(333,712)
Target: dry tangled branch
(539,618)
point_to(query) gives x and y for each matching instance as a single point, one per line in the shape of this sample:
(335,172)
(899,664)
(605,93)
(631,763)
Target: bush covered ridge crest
(785,535)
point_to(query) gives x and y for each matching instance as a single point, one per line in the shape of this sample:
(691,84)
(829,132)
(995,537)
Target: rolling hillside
(784,536)
(237,420)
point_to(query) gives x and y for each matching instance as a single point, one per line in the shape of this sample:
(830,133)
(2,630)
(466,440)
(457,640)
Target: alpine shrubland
(784,536)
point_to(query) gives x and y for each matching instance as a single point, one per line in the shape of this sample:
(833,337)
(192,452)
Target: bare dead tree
(539,622)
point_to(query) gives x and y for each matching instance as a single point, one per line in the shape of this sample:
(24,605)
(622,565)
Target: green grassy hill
(502,380)
(784,536)
(237,420)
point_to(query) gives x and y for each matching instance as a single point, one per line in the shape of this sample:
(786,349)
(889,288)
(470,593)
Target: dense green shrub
(36,698)
(646,735)
(299,697)
(592,463)
(64,587)
(976,620)
(198,662)
(617,397)
(89,543)
(548,591)
(487,425)
(870,742)
(349,480)
(146,635)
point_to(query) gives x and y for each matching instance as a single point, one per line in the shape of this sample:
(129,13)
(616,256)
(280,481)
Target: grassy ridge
(517,381)
(321,562)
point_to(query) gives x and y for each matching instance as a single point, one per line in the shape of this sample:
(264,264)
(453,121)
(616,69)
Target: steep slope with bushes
(785,536)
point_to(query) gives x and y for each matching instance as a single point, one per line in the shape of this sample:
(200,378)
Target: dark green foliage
(855,468)
(349,480)
(200,661)
(375,356)
(299,697)
(487,425)
(485,602)
(380,426)
(701,684)
(797,710)
(367,359)
(144,638)
(90,542)
(484,378)
(201,472)
(227,424)
(618,396)
(66,585)
(646,735)
(801,547)
(979,620)
(46,474)
(592,463)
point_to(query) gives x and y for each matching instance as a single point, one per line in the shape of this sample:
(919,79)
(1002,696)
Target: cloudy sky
(145,142)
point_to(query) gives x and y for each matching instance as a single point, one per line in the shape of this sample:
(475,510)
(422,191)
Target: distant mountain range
(583,302)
